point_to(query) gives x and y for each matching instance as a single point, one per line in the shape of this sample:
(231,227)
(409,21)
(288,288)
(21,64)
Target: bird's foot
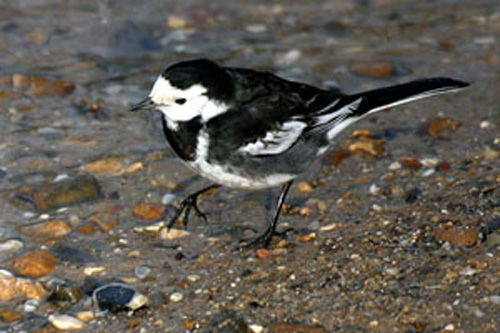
(183,210)
(264,239)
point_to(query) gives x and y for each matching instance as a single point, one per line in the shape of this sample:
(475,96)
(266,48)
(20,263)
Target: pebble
(30,305)
(66,322)
(454,236)
(34,264)
(11,245)
(54,228)
(443,127)
(395,166)
(52,196)
(176,297)
(330,227)
(176,22)
(410,163)
(89,271)
(105,221)
(11,287)
(256,328)
(117,297)
(63,292)
(71,255)
(149,212)
(107,167)
(193,278)
(142,272)
(85,316)
(168,198)
(374,189)
(375,69)
(173,233)
(8,316)
(305,187)
(39,87)
(307,238)
(428,172)
(154,228)
(495,299)
(367,147)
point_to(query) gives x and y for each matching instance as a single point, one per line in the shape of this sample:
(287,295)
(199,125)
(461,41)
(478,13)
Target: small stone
(495,299)
(8,316)
(262,253)
(305,187)
(168,198)
(176,297)
(11,245)
(173,233)
(85,316)
(307,238)
(376,69)
(153,228)
(149,212)
(413,195)
(330,227)
(107,167)
(54,228)
(395,166)
(367,147)
(410,163)
(305,211)
(193,278)
(256,328)
(454,236)
(39,87)
(52,196)
(34,264)
(89,271)
(339,156)
(71,255)
(374,189)
(490,154)
(117,297)
(63,292)
(105,221)
(442,127)
(65,322)
(11,287)
(30,305)
(361,134)
(142,272)
(176,22)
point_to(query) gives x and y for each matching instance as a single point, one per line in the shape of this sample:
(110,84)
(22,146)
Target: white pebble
(256,328)
(65,322)
(60,177)
(168,198)
(428,172)
(11,245)
(176,297)
(193,278)
(429,162)
(93,270)
(374,189)
(31,305)
(142,271)
(395,166)
(495,299)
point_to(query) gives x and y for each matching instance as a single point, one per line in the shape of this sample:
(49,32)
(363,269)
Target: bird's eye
(180,101)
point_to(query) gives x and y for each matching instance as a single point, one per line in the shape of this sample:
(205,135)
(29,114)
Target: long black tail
(383,98)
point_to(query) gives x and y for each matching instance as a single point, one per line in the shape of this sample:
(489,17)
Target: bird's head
(190,89)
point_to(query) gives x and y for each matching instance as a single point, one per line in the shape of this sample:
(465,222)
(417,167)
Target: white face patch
(191,102)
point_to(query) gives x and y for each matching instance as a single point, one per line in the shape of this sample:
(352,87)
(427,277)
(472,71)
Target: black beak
(143,105)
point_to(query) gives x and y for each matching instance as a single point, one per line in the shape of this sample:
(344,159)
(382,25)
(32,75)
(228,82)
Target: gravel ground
(394,230)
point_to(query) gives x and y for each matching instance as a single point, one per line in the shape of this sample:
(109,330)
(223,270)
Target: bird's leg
(266,237)
(191,201)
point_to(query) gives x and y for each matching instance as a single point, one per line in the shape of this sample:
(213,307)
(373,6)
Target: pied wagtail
(248,129)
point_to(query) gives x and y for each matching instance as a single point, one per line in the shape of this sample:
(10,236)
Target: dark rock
(62,291)
(72,256)
(413,195)
(117,297)
(47,197)
(228,322)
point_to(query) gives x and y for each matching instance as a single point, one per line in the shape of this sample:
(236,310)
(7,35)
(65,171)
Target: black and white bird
(247,129)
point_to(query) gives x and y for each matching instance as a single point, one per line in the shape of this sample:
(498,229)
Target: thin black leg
(187,204)
(266,237)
